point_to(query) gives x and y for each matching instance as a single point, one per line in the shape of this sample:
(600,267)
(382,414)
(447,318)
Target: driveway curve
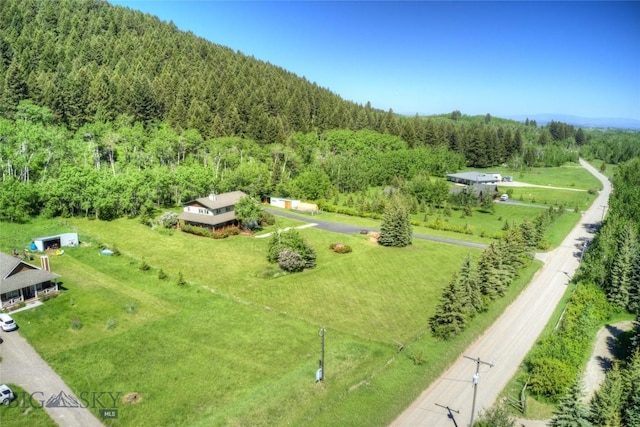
(505,344)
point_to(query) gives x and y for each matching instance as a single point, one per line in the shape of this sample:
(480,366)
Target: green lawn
(237,347)
(570,175)
(231,346)
(551,197)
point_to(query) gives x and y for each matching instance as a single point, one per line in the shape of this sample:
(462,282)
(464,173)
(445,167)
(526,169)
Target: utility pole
(320,372)
(476,378)
(451,411)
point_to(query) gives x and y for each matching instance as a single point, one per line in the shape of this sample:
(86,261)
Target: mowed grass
(551,197)
(230,347)
(569,175)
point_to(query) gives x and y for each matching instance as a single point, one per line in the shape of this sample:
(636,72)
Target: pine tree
(451,316)
(631,391)
(622,269)
(571,411)
(469,286)
(395,229)
(607,401)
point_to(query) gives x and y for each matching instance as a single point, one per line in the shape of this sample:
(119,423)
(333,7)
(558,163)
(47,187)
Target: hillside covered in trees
(105,111)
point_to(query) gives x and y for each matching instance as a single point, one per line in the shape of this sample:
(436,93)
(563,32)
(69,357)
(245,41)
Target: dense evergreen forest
(105,111)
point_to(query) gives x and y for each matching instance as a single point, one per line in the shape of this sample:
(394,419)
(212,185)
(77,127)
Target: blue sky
(502,58)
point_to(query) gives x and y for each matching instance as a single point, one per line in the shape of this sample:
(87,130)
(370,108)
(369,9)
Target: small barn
(54,242)
(284,203)
(293,204)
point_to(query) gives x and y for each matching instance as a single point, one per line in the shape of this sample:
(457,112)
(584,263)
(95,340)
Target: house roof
(13,276)
(221,200)
(207,219)
(475,176)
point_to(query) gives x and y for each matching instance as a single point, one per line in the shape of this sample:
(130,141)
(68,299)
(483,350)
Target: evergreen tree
(580,138)
(469,286)
(631,391)
(607,401)
(451,315)
(621,272)
(395,229)
(571,411)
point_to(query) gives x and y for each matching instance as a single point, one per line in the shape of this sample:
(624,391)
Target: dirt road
(505,344)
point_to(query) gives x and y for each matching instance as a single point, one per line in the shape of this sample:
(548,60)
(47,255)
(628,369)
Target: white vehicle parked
(7,323)
(504,197)
(6,394)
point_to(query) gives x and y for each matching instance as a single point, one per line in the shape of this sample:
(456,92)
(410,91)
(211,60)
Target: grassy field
(570,175)
(235,346)
(231,346)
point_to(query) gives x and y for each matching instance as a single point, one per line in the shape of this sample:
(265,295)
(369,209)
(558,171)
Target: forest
(107,112)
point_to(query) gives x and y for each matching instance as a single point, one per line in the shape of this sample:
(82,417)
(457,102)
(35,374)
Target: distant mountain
(585,122)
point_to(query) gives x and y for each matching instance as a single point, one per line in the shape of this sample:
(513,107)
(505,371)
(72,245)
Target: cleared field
(231,346)
(234,343)
(569,175)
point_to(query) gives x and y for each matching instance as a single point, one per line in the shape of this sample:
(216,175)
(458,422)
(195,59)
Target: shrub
(198,231)
(143,265)
(267,218)
(168,220)
(226,232)
(292,240)
(111,324)
(288,260)
(162,275)
(341,248)
(418,358)
(76,323)
(181,281)
(550,377)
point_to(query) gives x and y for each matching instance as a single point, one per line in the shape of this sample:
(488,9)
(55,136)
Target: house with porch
(21,281)
(214,212)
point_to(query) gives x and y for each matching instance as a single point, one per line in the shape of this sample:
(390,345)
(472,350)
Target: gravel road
(505,344)
(21,365)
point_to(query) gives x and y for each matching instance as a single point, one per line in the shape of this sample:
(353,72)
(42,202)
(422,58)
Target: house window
(13,294)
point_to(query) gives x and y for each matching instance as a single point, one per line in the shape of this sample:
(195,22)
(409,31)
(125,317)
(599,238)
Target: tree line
(607,283)
(472,288)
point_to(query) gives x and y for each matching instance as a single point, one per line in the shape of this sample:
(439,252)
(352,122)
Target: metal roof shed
(56,241)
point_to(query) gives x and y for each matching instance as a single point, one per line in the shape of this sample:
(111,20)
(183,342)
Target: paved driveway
(21,365)
(355,229)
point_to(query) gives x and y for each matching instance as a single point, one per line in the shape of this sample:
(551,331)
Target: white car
(7,323)
(6,394)
(504,197)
